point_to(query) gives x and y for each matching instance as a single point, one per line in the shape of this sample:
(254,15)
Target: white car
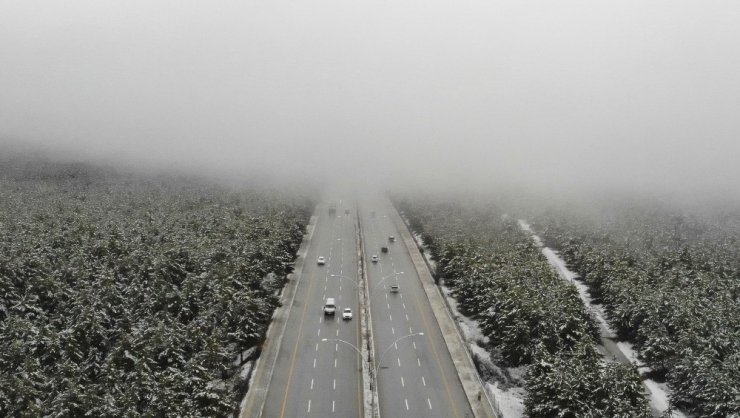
(374,258)
(321,261)
(347,314)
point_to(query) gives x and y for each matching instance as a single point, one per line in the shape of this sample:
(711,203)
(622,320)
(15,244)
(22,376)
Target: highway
(416,375)
(314,377)
(318,369)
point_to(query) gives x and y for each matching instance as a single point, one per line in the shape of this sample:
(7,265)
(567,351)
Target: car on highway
(395,288)
(330,307)
(347,314)
(321,261)
(391,239)
(374,258)
(384,250)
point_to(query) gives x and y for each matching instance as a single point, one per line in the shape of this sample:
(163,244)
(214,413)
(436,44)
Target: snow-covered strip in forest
(658,393)
(562,270)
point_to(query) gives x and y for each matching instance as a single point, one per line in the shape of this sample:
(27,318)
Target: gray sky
(549,94)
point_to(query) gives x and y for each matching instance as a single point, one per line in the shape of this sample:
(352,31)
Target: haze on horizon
(636,95)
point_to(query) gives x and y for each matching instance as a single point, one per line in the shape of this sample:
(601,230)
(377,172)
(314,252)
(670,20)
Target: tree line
(531,317)
(131,296)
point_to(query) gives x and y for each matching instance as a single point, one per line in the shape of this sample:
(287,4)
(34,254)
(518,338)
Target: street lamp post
(384,279)
(380,359)
(374,376)
(345,277)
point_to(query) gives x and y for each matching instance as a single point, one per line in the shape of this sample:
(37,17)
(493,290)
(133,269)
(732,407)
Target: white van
(330,307)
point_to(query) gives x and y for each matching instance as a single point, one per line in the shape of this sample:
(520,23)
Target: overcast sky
(553,94)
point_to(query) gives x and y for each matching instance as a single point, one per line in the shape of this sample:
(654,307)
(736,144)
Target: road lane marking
(318,333)
(393,331)
(317,346)
(452,403)
(336,347)
(418,361)
(410,331)
(311,384)
(335,363)
(423,381)
(399,361)
(332,406)
(314,363)
(390,317)
(389,306)
(309,406)
(429,402)
(407,317)
(402,382)
(414,343)
(295,351)
(404,306)
(407,403)
(337,333)
(335,384)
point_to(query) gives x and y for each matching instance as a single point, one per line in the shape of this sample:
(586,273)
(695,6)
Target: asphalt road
(416,375)
(315,378)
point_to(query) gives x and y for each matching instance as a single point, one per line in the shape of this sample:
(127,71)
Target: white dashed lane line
(418,361)
(407,404)
(314,363)
(429,402)
(311,384)
(423,381)
(309,406)
(399,361)
(403,384)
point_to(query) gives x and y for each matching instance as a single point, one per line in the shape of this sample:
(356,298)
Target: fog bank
(555,96)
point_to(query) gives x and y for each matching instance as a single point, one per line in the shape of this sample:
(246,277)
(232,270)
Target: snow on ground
(658,393)
(470,328)
(659,398)
(507,398)
(509,402)
(246,369)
